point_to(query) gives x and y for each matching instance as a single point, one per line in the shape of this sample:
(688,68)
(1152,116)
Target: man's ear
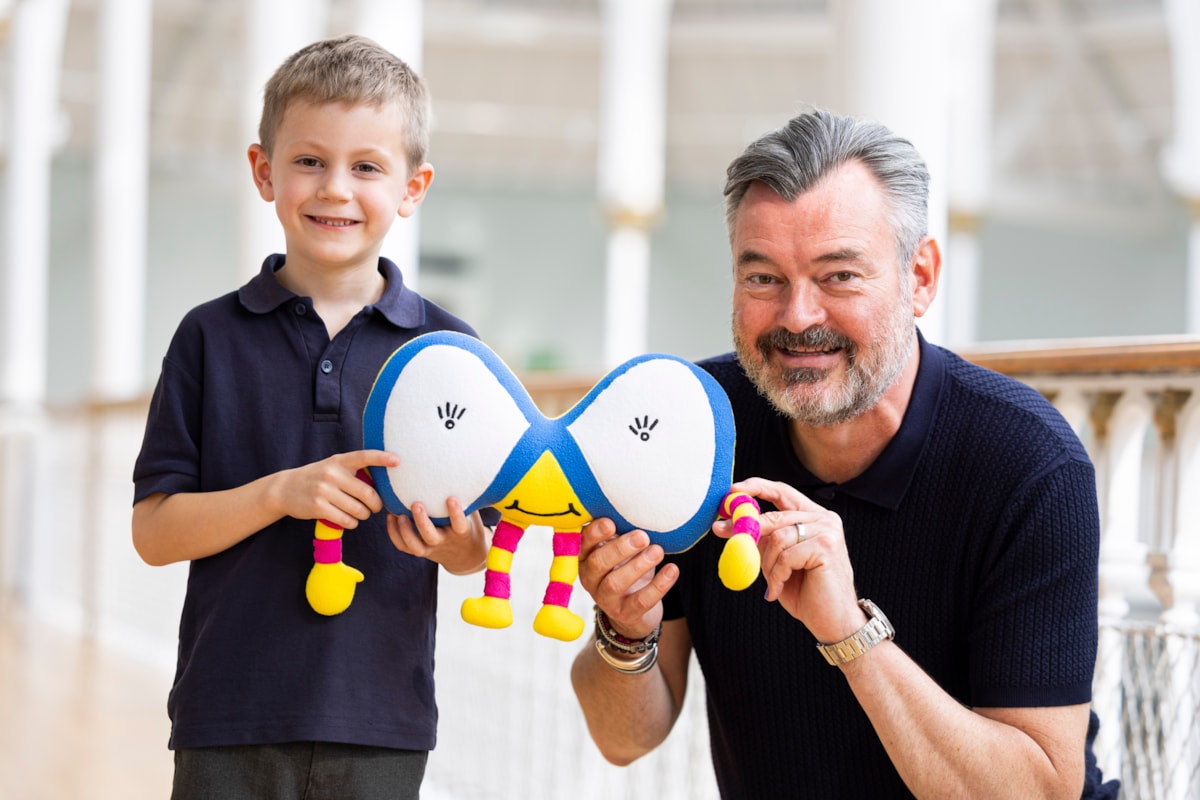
(260,170)
(414,192)
(926,269)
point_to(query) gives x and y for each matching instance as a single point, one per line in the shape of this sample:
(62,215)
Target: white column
(892,66)
(969,174)
(274,29)
(632,156)
(1184,552)
(119,194)
(398,25)
(1181,616)
(1181,158)
(1123,568)
(35,41)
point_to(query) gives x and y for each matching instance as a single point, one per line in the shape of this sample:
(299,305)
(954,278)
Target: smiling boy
(255,430)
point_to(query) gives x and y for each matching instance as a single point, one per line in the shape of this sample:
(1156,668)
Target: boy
(255,430)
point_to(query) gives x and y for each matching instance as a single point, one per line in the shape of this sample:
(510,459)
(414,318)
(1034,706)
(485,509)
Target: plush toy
(649,447)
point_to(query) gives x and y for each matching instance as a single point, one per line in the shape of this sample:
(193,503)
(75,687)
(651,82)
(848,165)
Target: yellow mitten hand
(740,560)
(330,587)
(331,583)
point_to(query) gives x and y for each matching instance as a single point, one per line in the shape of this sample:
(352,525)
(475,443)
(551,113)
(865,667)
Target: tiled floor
(77,722)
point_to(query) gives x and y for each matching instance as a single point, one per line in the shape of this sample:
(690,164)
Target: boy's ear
(414,191)
(260,170)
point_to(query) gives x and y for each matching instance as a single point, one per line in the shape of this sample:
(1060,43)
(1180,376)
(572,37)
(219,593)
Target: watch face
(874,612)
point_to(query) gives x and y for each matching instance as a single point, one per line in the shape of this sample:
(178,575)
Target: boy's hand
(461,547)
(331,490)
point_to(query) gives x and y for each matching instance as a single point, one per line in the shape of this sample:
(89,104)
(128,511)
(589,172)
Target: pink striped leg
(494,609)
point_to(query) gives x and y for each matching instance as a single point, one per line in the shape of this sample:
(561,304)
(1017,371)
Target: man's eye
(841,277)
(760,280)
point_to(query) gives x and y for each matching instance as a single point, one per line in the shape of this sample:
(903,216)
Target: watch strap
(877,629)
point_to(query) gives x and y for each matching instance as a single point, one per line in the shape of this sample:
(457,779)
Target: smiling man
(957,499)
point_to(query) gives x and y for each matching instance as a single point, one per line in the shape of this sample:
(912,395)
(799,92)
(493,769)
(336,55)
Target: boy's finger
(372,458)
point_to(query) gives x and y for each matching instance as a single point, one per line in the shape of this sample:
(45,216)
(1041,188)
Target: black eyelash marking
(641,427)
(450,415)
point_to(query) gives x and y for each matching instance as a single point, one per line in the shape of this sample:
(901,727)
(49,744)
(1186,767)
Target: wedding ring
(800,535)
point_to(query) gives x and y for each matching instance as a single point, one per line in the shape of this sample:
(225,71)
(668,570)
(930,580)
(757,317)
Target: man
(895,477)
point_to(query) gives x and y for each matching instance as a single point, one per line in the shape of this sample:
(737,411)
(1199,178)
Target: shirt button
(301,309)
(327,366)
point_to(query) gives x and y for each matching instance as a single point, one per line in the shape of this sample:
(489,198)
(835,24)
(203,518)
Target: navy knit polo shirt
(251,384)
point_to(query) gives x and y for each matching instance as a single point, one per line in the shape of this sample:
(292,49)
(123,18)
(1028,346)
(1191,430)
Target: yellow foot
(487,612)
(740,562)
(558,623)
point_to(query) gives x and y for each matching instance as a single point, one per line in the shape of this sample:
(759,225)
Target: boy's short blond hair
(348,69)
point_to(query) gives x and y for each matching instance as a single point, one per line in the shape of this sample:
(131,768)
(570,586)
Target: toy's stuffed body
(649,447)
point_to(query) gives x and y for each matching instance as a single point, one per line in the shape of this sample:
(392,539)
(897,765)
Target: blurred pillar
(893,63)
(969,173)
(631,162)
(274,30)
(35,47)
(398,25)
(119,193)
(1181,158)
(35,42)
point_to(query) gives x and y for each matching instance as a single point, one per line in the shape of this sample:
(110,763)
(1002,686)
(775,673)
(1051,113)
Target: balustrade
(1136,407)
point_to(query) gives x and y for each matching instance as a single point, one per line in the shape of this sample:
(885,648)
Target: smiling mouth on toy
(515,506)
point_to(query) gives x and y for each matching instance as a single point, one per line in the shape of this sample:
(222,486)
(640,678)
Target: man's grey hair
(792,159)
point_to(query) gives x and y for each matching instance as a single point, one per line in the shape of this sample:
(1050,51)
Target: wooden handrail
(555,392)
(1089,356)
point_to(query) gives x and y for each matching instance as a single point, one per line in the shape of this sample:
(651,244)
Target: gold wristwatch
(877,629)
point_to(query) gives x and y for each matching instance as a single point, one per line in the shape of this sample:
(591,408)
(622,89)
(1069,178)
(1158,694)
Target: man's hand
(619,573)
(812,578)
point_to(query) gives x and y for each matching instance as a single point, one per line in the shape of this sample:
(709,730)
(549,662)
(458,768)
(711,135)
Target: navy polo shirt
(251,384)
(976,530)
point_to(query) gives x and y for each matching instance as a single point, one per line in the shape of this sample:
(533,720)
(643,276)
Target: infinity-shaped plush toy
(649,447)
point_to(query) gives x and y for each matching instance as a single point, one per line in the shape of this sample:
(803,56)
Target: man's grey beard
(864,385)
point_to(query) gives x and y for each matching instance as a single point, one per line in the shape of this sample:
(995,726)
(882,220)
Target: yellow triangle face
(544,496)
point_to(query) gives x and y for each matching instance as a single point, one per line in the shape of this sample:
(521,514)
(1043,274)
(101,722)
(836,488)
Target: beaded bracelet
(623,644)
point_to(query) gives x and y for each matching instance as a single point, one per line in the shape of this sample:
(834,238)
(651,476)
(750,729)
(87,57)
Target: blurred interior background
(576,217)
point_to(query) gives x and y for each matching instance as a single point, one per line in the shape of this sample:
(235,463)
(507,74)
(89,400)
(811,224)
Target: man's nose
(803,307)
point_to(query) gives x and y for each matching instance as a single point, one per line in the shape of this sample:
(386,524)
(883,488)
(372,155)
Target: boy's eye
(366,168)
(308,161)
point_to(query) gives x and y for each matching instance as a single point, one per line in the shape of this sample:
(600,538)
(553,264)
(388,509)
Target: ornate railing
(1136,406)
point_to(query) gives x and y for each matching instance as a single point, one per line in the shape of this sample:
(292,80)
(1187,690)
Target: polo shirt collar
(399,305)
(886,480)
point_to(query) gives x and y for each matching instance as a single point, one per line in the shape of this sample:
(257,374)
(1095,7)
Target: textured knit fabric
(251,384)
(976,531)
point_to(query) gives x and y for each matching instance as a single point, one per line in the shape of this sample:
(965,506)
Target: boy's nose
(334,187)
